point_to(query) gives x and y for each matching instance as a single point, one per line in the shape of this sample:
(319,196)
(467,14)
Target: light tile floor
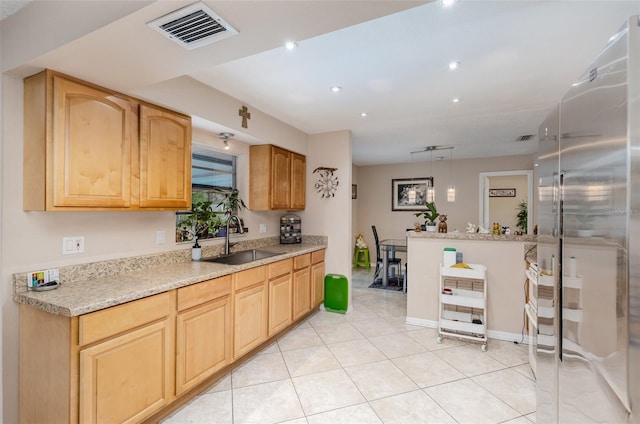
(368,366)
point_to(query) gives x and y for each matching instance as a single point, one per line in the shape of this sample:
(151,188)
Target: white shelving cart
(463,304)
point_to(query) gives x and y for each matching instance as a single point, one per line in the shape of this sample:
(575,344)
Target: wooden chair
(392,261)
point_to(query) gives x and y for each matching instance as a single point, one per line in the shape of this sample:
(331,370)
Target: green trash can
(336,293)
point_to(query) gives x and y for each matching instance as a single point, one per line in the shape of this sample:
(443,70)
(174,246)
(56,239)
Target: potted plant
(232,202)
(430,215)
(522,216)
(199,223)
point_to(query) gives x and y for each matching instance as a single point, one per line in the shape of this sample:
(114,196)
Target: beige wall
(505,279)
(374,193)
(331,216)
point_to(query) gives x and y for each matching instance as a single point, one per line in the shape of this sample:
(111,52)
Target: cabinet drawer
(206,291)
(109,322)
(301,261)
(317,256)
(250,277)
(280,268)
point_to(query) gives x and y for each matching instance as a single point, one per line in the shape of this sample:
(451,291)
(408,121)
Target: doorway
(501,193)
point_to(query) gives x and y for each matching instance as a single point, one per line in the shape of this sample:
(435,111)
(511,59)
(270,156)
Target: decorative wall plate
(327,183)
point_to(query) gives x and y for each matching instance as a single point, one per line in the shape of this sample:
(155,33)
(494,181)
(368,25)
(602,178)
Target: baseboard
(492,334)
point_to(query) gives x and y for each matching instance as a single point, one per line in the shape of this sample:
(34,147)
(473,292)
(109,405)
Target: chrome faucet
(226,240)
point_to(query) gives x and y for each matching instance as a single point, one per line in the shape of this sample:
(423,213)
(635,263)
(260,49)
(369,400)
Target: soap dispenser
(196,251)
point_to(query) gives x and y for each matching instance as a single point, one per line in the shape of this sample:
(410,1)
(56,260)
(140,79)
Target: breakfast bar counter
(505,259)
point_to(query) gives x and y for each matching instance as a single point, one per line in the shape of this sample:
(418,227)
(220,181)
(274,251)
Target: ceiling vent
(193,26)
(525,137)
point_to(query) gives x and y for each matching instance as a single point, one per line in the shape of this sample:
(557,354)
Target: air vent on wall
(193,26)
(525,137)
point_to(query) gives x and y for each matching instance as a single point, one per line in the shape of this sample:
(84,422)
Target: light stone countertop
(530,241)
(90,287)
(527,238)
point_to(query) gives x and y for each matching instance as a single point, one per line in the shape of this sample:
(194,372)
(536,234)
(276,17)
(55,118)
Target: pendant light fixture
(451,188)
(225,136)
(411,194)
(431,190)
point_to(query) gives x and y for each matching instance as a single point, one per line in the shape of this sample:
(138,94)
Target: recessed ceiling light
(364,114)
(290,45)
(454,65)
(455,100)
(447,3)
(336,88)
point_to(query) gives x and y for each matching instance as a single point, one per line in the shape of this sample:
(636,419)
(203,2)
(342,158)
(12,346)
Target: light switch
(72,245)
(159,237)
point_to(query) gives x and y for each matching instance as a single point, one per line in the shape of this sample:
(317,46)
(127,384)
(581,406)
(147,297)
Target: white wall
(331,216)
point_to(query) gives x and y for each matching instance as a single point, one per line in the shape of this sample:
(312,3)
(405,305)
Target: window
(212,175)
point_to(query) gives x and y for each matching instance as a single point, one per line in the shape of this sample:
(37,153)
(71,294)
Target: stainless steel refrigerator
(588,328)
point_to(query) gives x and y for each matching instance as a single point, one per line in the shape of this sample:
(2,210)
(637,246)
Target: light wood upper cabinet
(165,159)
(87,148)
(298,180)
(276,179)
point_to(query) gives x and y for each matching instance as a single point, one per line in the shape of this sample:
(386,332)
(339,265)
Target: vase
(196,253)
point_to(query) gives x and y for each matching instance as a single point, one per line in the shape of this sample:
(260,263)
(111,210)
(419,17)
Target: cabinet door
(317,284)
(127,378)
(203,342)
(91,148)
(165,159)
(279,304)
(281,179)
(301,292)
(298,181)
(250,319)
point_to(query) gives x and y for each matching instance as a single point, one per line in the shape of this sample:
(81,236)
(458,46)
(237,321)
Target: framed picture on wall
(502,192)
(409,194)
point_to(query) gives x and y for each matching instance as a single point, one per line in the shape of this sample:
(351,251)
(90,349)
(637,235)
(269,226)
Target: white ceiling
(390,57)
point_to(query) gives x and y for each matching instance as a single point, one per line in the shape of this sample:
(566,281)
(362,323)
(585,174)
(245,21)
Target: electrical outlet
(160,237)
(72,245)
(263,228)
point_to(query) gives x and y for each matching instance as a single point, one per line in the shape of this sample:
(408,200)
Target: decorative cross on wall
(244,112)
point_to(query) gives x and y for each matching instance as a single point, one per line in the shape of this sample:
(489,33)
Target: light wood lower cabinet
(127,378)
(203,331)
(128,362)
(301,285)
(280,305)
(250,310)
(317,278)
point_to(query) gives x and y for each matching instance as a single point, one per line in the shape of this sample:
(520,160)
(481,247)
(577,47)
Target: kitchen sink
(239,258)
